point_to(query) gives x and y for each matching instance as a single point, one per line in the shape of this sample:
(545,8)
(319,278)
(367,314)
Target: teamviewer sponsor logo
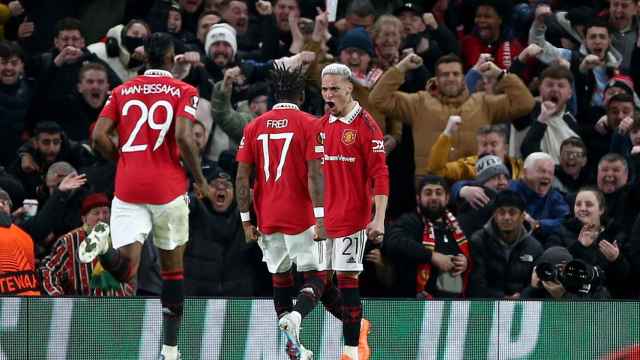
(339,158)
(377,146)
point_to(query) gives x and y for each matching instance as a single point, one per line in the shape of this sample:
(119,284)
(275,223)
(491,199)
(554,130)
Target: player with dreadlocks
(287,197)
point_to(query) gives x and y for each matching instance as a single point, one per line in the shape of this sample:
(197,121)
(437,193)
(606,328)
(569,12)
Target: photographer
(550,279)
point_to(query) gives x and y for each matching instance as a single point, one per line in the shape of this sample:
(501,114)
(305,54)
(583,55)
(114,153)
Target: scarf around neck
(423,272)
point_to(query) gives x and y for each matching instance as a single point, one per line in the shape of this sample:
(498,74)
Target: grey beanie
(489,166)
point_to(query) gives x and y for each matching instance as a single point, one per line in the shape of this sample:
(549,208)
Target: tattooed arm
(243,197)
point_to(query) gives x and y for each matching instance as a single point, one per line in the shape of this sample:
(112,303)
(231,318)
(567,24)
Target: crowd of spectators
(512,134)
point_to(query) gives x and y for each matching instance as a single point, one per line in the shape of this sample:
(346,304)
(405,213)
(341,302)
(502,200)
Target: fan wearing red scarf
(431,245)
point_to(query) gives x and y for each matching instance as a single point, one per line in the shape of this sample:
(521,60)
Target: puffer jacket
(499,270)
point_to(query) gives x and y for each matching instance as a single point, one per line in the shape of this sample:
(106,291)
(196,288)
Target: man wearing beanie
(503,251)
(221,45)
(356,51)
(63,274)
(17,258)
(492,178)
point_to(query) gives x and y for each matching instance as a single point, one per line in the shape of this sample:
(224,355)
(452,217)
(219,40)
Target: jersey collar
(157,72)
(285,106)
(348,119)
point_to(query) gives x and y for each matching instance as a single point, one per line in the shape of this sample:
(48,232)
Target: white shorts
(132,223)
(280,251)
(347,251)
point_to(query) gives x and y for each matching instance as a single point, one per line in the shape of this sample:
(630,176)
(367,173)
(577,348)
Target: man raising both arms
(154,116)
(354,169)
(280,145)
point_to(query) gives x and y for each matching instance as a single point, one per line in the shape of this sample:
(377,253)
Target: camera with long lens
(576,276)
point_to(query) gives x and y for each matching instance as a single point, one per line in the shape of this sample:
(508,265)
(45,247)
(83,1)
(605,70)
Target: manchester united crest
(349,136)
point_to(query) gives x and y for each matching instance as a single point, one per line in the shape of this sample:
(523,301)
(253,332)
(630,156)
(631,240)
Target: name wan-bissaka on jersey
(150,89)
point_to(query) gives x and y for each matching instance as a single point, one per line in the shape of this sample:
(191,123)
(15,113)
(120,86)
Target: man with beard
(430,253)
(448,96)
(82,108)
(49,145)
(550,123)
(16,95)
(545,206)
(503,251)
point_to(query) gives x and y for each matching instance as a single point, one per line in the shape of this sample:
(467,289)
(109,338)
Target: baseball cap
(408,6)
(217,173)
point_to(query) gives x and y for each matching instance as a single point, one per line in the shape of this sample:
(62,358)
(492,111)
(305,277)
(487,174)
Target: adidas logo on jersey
(351,260)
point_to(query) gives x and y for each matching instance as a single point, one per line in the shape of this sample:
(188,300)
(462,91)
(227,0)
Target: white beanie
(221,32)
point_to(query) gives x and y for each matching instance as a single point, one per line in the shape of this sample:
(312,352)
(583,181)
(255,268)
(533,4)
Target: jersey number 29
(147,117)
(265,139)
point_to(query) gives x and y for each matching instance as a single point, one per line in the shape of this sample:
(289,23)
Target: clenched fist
(410,62)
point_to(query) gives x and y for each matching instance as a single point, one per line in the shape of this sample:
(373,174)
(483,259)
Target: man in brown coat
(428,111)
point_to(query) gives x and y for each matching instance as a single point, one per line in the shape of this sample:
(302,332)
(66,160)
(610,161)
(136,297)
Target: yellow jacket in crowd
(428,113)
(463,168)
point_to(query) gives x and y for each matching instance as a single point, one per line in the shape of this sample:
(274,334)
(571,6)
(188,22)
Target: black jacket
(617,273)
(72,152)
(498,270)
(403,245)
(472,220)
(15,103)
(217,260)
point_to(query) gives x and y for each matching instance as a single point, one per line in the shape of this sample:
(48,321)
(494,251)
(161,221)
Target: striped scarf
(423,272)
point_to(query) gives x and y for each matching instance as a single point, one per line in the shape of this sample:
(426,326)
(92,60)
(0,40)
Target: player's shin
(172,300)
(351,309)
(282,292)
(117,265)
(332,299)
(312,290)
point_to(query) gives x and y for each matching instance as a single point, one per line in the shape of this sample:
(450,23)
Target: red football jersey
(354,170)
(279,143)
(145,110)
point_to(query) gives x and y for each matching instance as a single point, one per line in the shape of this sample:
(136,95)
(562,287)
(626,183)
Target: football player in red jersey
(355,171)
(153,115)
(280,146)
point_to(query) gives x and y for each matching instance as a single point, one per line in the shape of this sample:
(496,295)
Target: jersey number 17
(266,140)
